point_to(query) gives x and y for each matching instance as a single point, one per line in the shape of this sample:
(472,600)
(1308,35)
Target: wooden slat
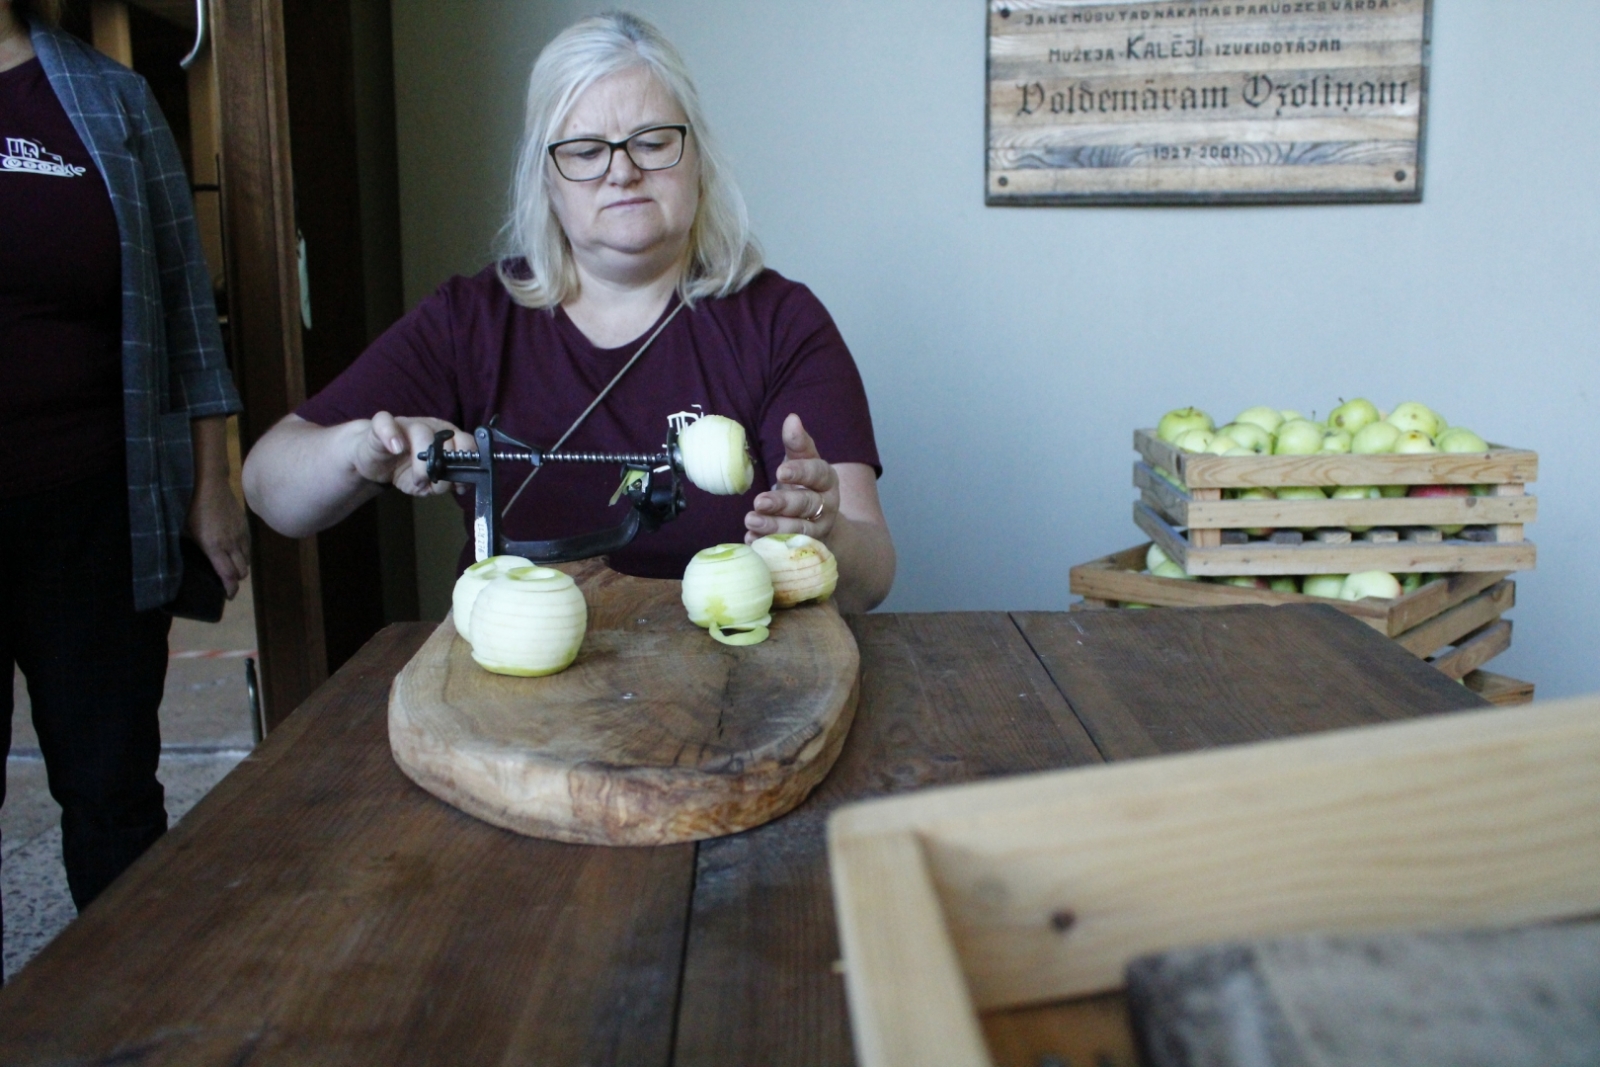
(945,698)
(1463,619)
(907,996)
(1121,578)
(1261,557)
(1189,509)
(317,907)
(1051,884)
(1475,651)
(1499,689)
(1509,530)
(1198,471)
(264,327)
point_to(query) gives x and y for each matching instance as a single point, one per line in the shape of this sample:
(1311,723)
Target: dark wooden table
(317,908)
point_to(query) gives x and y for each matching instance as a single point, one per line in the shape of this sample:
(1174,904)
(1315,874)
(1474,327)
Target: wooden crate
(1454,622)
(1032,890)
(1193,523)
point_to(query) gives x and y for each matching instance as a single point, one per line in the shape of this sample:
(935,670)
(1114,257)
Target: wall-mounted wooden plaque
(1096,102)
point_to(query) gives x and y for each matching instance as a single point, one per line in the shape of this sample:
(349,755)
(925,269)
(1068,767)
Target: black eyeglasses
(583,159)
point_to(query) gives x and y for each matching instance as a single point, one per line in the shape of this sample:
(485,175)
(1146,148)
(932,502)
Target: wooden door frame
(264,309)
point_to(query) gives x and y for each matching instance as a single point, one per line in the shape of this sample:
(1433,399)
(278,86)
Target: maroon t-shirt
(469,352)
(60,296)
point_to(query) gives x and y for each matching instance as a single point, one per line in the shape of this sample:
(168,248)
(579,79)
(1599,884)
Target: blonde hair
(723,255)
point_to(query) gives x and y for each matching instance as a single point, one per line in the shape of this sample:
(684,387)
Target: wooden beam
(112,35)
(264,305)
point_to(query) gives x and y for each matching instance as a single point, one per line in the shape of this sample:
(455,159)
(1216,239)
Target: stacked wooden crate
(1454,621)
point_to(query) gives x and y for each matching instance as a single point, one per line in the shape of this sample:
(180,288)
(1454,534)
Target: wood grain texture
(1451,626)
(1135,678)
(945,698)
(1475,650)
(1051,884)
(1499,689)
(1121,577)
(264,327)
(655,734)
(317,908)
(1186,509)
(1379,551)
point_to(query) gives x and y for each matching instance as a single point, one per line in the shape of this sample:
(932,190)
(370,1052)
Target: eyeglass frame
(681,127)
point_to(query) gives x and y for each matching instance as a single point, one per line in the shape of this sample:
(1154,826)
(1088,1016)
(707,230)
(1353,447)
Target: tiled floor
(205,729)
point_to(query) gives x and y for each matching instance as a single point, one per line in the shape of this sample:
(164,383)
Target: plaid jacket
(173,368)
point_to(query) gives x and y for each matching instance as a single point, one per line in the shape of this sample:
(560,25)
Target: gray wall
(1009,352)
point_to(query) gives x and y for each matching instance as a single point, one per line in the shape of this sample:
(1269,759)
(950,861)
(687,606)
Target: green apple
(1336,441)
(1298,438)
(1410,583)
(1194,440)
(1284,584)
(1363,584)
(1169,569)
(1352,415)
(1414,416)
(1393,492)
(1179,421)
(1374,438)
(1269,419)
(1155,556)
(1221,444)
(1414,442)
(1249,435)
(1461,439)
(1289,414)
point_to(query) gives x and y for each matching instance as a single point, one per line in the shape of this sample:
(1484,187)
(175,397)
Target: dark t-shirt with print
(469,352)
(60,296)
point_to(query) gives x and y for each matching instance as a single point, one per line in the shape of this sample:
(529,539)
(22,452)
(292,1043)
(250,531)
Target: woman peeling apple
(626,234)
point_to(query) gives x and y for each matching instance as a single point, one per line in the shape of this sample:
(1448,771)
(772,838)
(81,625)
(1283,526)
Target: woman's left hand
(806,498)
(216,517)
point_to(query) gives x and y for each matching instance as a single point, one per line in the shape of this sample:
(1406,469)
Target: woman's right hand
(302,478)
(387,452)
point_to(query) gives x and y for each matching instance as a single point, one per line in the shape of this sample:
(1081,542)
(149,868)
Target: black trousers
(95,668)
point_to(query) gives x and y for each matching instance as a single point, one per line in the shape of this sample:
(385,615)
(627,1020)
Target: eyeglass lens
(585,160)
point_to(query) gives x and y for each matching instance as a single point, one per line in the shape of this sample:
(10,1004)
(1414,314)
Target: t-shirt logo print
(23,154)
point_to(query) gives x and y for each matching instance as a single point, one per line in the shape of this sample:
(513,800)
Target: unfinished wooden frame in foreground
(957,901)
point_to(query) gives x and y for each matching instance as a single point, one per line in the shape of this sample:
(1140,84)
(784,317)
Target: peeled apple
(714,455)
(802,568)
(528,622)
(729,587)
(473,581)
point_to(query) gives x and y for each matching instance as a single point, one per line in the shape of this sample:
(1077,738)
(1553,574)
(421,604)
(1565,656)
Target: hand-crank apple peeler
(655,500)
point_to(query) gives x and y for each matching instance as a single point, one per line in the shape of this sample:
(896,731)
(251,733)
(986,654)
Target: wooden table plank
(318,908)
(945,698)
(1147,683)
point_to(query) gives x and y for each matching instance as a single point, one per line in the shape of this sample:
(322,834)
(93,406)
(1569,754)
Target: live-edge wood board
(1182,103)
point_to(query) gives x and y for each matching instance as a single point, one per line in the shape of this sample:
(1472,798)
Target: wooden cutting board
(656,734)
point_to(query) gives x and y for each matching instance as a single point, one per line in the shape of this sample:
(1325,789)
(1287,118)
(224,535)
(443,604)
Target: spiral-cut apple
(728,588)
(802,567)
(714,455)
(473,581)
(528,622)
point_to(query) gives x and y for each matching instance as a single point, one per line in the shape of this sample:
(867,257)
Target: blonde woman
(626,226)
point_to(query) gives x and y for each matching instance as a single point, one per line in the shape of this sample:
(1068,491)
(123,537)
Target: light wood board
(656,734)
(1045,887)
